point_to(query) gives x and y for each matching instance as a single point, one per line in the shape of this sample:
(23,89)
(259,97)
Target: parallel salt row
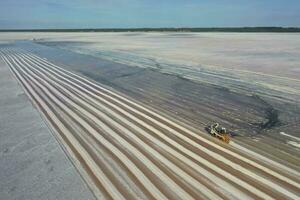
(133,105)
(185,160)
(233,190)
(87,101)
(188,180)
(275,174)
(132,166)
(61,127)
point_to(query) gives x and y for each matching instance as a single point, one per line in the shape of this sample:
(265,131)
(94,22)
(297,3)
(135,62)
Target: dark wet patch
(271,115)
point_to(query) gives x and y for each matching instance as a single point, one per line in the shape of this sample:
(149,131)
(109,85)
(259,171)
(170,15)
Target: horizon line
(184,29)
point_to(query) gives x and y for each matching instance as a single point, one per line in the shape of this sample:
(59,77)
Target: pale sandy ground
(33,165)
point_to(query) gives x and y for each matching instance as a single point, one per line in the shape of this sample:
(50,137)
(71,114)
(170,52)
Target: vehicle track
(128,151)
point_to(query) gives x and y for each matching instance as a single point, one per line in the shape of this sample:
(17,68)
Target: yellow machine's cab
(219,132)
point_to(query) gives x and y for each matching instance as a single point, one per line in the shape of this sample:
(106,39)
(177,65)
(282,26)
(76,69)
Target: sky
(43,14)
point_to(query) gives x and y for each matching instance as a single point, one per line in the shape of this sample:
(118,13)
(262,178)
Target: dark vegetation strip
(211,29)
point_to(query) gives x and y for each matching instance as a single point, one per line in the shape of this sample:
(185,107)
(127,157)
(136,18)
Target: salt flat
(268,53)
(116,97)
(125,150)
(260,63)
(262,67)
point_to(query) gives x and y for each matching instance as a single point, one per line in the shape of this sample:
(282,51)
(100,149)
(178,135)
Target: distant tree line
(225,29)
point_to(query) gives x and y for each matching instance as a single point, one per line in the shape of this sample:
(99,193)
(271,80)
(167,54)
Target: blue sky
(20,14)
